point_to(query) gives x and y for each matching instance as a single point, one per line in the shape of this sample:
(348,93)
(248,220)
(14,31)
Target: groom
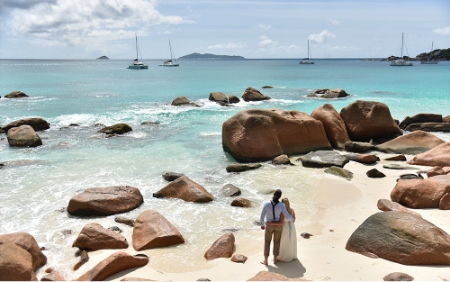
(271,212)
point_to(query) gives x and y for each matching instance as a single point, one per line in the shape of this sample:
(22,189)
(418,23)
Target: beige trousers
(274,230)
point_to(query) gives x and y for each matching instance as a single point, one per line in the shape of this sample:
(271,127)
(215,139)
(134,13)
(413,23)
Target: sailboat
(429,61)
(401,62)
(171,62)
(136,64)
(307,60)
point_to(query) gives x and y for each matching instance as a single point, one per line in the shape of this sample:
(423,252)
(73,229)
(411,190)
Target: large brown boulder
(16,94)
(333,124)
(252,94)
(185,189)
(183,101)
(152,230)
(401,237)
(105,201)
(119,128)
(412,143)
(113,264)
(38,124)
(221,248)
(420,193)
(23,136)
(29,244)
(438,156)
(94,237)
(329,94)
(16,264)
(386,205)
(261,135)
(366,120)
(419,118)
(429,127)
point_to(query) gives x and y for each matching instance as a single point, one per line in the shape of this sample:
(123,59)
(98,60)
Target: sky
(87,29)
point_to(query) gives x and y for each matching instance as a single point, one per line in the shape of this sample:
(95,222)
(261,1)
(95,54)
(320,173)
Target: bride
(288,241)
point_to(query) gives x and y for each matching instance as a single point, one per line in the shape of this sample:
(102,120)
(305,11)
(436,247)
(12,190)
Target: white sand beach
(341,206)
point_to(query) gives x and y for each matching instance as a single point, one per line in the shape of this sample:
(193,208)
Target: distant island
(197,56)
(436,55)
(102,58)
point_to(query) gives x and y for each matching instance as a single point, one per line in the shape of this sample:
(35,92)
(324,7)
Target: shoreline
(340,207)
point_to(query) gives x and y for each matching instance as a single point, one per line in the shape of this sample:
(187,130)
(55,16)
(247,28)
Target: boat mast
(401,49)
(136,48)
(171,52)
(308,49)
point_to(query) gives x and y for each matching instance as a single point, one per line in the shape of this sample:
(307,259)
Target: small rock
(229,190)
(171,176)
(375,173)
(239,258)
(242,167)
(84,257)
(397,158)
(306,235)
(398,276)
(241,202)
(124,220)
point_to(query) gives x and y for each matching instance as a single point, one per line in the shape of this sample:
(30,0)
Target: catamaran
(401,62)
(307,60)
(172,62)
(136,64)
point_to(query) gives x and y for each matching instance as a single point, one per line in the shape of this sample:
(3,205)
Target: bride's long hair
(285,201)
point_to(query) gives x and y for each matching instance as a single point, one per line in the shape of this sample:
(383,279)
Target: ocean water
(37,183)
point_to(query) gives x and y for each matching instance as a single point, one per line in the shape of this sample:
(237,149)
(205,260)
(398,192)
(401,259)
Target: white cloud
(334,22)
(229,45)
(321,37)
(264,27)
(266,41)
(442,31)
(87,22)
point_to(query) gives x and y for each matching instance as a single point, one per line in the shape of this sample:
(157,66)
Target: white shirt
(267,212)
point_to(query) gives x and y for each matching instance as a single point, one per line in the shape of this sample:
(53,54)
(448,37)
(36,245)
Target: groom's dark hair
(276,195)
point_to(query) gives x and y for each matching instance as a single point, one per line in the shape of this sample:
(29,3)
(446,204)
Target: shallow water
(37,183)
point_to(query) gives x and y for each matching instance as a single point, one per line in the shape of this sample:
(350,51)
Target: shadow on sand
(292,269)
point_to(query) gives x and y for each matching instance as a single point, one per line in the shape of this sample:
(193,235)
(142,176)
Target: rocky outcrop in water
(94,237)
(420,118)
(252,94)
(329,94)
(119,128)
(23,136)
(152,230)
(105,201)
(183,101)
(38,124)
(16,94)
(185,189)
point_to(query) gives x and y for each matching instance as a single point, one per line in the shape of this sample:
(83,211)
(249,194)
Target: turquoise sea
(37,183)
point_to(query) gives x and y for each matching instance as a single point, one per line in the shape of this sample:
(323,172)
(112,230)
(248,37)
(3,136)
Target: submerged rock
(119,128)
(16,94)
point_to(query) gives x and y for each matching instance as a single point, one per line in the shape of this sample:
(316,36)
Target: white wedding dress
(288,242)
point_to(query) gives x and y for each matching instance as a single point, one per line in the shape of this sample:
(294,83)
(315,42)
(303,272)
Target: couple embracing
(277,219)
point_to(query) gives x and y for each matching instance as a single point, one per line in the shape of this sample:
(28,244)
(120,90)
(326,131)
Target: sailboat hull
(144,67)
(307,62)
